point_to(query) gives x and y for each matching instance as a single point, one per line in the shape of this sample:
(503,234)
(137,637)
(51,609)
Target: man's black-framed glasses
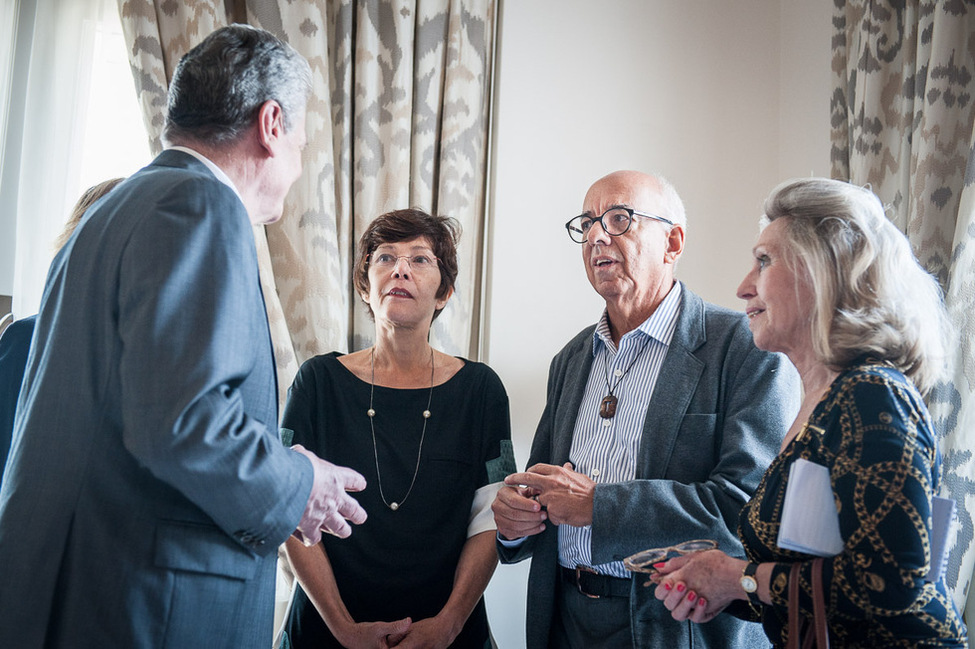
(615,221)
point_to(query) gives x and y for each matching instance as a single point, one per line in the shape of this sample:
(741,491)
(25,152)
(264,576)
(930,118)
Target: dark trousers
(585,623)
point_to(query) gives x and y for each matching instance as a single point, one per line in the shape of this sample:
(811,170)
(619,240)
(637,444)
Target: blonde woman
(835,287)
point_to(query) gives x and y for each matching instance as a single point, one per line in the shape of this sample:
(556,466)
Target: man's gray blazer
(146,491)
(716,419)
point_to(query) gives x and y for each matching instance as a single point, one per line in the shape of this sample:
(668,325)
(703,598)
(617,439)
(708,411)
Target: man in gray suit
(659,423)
(146,491)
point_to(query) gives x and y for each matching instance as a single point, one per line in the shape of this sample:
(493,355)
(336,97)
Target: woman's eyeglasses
(418,263)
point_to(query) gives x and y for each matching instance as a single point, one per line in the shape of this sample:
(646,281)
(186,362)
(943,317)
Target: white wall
(726,99)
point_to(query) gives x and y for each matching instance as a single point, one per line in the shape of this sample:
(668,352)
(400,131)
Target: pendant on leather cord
(607,407)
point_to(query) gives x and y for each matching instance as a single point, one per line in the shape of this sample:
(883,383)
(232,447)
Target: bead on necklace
(371,413)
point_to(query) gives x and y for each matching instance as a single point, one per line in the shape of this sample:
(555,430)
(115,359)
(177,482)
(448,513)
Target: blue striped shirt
(606,449)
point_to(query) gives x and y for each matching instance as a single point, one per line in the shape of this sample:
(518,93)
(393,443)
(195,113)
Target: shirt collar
(660,325)
(211,165)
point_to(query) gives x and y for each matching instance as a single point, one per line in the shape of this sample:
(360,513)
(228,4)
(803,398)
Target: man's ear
(270,125)
(675,244)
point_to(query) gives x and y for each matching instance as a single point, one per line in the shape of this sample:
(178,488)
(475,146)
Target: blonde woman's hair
(872,297)
(87,199)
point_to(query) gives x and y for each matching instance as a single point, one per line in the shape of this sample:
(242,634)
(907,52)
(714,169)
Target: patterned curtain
(398,118)
(903,110)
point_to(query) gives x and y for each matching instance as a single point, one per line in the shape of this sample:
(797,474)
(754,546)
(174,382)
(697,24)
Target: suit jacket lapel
(679,375)
(576,377)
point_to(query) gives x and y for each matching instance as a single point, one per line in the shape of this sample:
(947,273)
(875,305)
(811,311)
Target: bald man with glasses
(659,422)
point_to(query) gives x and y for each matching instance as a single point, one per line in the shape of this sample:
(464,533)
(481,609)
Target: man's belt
(594,585)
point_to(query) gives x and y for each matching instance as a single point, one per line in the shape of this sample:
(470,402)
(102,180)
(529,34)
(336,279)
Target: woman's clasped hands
(430,633)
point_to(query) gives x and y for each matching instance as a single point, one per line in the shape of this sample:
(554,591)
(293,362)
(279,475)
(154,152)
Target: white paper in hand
(810,523)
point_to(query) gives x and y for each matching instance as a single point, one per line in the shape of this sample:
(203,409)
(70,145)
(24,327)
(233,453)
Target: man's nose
(597,234)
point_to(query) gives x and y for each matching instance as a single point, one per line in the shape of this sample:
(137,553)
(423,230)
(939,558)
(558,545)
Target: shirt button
(595,473)
(617,372)
(606,423)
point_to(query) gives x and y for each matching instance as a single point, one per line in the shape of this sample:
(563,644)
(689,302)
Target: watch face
(749,584)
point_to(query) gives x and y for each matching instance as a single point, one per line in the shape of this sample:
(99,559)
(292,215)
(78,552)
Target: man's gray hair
(220,85)
(675,206)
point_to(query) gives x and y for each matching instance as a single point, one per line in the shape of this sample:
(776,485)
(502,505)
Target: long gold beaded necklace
(375,451)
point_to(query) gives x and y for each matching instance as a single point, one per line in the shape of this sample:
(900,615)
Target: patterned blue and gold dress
(872,430)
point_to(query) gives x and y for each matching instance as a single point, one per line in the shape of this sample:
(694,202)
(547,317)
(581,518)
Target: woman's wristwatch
(749,584)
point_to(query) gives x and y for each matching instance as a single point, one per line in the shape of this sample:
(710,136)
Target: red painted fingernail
(702,602)
(667,585)
(680,588)
(691,596)
(660,565)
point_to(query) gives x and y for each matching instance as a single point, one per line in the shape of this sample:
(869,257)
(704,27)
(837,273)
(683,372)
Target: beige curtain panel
(903,109)
(398,118)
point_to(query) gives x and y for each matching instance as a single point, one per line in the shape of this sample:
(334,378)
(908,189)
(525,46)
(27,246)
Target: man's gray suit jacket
(147,491)
(718,413)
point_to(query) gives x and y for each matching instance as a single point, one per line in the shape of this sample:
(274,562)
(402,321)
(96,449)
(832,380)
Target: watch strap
(749,573)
